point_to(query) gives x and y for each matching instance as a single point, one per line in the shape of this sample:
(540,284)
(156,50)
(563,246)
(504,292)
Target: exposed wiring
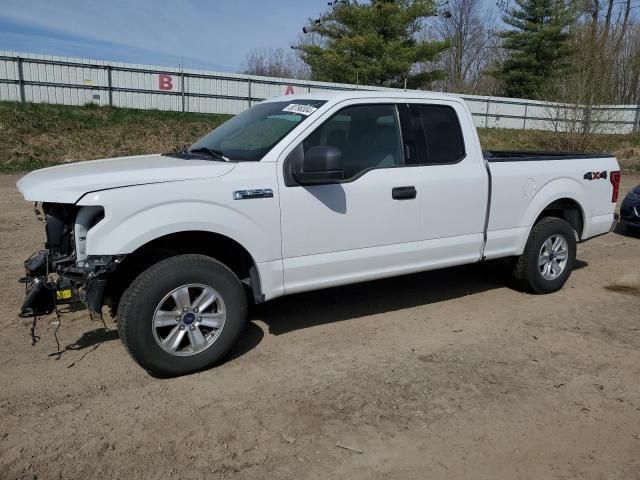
(55,332)
(34,337)
(52,287)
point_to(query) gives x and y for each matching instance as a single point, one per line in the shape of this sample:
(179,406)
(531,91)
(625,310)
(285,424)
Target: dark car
(630,208)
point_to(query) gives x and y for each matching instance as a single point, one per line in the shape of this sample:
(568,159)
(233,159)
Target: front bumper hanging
(49,286)
(39,290)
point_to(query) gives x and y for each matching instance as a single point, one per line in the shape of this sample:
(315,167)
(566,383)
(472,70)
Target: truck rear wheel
(548,257)
(182,315)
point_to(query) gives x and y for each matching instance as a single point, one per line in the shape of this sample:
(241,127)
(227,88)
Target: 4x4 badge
(595,175)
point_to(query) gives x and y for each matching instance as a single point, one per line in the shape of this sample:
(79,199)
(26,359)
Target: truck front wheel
(182,315)
(548,257)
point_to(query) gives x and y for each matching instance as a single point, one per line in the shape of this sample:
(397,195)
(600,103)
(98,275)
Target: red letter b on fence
(165,82)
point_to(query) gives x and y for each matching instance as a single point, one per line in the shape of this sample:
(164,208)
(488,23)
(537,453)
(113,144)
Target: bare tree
(469,27)
(605,71)
(270,62)
(583,93)
(608,42)
(626,68)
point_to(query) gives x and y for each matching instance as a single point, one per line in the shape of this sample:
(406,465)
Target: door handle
(404,193)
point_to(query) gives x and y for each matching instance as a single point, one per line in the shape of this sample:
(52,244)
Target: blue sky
(215,34)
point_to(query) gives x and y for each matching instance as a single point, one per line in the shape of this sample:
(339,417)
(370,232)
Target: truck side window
(445,143)
(367,135)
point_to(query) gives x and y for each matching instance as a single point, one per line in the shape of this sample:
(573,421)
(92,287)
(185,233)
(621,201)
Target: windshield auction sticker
(298,108)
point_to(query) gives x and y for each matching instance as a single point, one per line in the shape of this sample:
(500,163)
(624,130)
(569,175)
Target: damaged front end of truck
(62,273)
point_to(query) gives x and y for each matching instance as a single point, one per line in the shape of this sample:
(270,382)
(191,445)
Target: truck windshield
(250,135)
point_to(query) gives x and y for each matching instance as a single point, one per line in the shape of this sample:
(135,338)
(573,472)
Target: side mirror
(320,165)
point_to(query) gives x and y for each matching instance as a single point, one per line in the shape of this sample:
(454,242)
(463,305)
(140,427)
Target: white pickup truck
(300,193)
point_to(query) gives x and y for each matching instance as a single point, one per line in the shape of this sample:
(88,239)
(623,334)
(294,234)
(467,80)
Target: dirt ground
(448,374)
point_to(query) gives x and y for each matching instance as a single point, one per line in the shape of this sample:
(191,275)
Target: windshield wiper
(212,152)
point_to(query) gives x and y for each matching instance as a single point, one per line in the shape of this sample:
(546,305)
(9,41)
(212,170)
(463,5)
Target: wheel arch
(223,248)
(568,209)
(562,197)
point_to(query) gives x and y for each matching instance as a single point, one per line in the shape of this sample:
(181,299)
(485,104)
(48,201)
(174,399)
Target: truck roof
(338,95)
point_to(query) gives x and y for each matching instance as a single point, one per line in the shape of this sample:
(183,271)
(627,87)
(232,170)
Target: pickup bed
(300,193)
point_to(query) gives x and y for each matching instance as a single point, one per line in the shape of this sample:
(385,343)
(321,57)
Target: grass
(40,135)
(625,147)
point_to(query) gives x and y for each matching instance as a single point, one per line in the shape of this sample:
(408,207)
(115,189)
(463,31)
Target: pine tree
(372,43)
(538,46)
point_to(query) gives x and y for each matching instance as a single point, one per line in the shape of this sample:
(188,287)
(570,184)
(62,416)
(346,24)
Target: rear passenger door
(454,182)
(367,225)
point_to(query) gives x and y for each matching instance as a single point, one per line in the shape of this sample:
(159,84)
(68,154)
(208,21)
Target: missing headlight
(59,229)
(86,218)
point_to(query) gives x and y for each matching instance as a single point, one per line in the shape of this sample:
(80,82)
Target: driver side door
(366,225)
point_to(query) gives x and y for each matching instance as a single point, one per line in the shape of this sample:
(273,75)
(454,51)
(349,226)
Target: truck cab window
(445,143)
(250,135)
(366,135)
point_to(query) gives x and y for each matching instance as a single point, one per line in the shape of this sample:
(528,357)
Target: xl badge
(255,193)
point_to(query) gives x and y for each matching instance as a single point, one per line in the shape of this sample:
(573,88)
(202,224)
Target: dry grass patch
(40,135)
(625,147)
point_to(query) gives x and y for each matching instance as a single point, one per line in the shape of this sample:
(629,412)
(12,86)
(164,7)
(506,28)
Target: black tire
(139,302)
(527,271)
(633,230)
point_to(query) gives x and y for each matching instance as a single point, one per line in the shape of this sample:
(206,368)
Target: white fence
(72,81)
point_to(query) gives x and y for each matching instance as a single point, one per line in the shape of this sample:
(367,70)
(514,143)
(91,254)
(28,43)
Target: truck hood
(68,183)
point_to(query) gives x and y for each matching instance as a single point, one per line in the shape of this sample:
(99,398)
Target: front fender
(138,215)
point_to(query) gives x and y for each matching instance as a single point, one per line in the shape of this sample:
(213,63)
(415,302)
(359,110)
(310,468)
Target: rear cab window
(432,134)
